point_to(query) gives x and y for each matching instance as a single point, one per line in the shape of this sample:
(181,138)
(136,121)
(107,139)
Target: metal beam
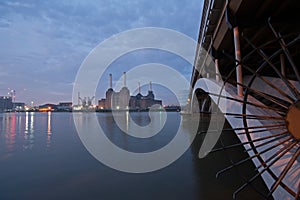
(238,57)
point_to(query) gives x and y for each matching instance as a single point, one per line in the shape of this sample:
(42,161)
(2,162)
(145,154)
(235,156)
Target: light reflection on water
(18,130)
(29,130)
(10,136)
(42,157)
(49,130)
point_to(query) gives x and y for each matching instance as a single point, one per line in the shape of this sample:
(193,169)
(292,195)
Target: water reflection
(67,160)
(21,130)
(26,123)
(29,130)
(10,131)
(127,121)
(10,126)
(49,133)
(19,122)
(128,136)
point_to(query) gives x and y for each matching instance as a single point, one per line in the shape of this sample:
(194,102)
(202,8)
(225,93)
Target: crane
(11,93)
(90,100)
(83,101)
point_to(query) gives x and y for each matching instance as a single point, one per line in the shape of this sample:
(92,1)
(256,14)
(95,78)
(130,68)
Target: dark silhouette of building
(123,101)
(64,106)
(144,102)
(18,106)
(47,107)
(6,103)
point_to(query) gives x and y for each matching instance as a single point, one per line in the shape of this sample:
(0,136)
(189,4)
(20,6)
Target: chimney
(78,98)
(110,80)
(150,86)
(124,76)
(139,88)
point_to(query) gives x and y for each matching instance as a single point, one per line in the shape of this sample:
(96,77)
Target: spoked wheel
(270,111)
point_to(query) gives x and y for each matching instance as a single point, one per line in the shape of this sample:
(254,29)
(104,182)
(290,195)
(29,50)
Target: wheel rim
(275,143)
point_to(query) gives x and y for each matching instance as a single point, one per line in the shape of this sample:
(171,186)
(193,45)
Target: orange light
(45,109)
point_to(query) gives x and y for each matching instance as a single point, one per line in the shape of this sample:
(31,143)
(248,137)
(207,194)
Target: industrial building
(61,107)
(6,103)
(18,106)
(123,101)
(64,106)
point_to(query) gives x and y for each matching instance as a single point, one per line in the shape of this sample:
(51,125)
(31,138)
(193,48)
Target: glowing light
(26,123)
(49,124)
(77,108)
(31,125)
(44,109)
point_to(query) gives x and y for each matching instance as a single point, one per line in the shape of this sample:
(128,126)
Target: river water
(42,157)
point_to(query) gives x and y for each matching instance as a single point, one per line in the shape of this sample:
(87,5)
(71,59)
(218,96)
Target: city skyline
(142,89)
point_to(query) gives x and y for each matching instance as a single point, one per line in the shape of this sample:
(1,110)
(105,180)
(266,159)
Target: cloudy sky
(43,43)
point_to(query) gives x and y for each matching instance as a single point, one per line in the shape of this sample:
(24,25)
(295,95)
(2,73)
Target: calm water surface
(42,157)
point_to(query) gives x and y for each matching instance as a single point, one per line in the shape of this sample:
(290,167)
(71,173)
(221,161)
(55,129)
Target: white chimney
(110,80)
(150,86)
(124,74)
(139,88)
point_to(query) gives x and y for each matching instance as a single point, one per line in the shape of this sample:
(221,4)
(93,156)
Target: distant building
(144,102)
(85,104)
(64,106)
(18,106)
(101,104)
(47,107)
(123,101)
(6,103)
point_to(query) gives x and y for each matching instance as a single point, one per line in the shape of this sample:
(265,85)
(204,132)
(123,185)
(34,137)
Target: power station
(123,101)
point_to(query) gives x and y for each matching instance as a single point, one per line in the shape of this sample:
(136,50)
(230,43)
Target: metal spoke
(285,50)
(250,103)
(275,88)
(256,131)
(291,100)
(297,196)
(263,144)
(271,141)
(267,60)
(291,145)
(284,172)
(267,167)
(260,118)
(282,135)
(248,116)
(260,131)
(254,127)
(268,97)
(246,159)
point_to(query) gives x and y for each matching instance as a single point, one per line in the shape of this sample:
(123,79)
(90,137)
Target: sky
(43,43)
